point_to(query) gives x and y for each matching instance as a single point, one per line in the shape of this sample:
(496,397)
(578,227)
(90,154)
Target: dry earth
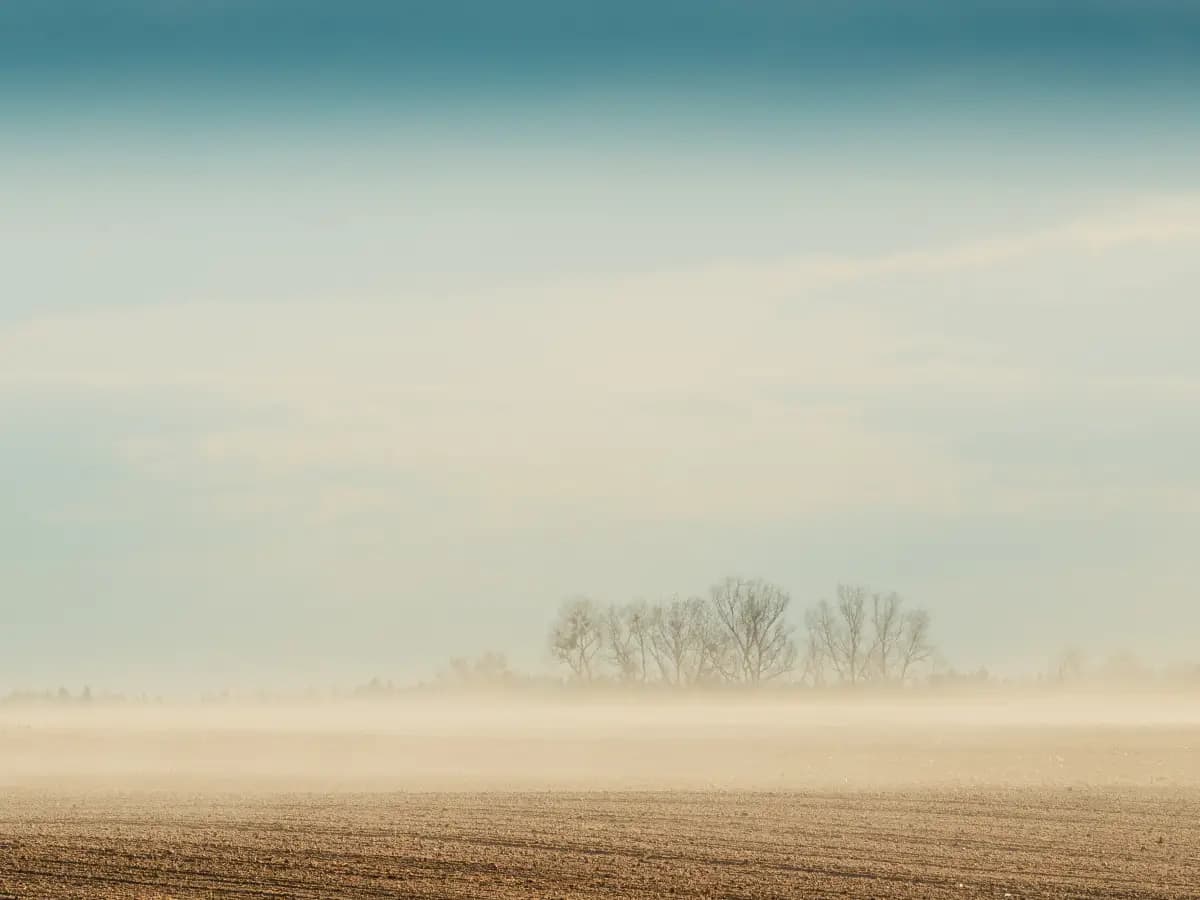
(607,802)
(1017,843)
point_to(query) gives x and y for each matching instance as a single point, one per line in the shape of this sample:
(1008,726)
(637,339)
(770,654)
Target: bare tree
(813,668)
(717,651)
(851,607)
(914,646)
(577,636)
(887,627)
(751,613)
(627,628)
(680,640)
(824,640)
(840,632)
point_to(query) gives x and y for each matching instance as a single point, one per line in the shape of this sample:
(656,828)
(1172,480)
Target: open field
(970,843)
(602,801)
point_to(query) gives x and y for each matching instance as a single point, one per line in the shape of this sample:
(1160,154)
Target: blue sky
(338,339)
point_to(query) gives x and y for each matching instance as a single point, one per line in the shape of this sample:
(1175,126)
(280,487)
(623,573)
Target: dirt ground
(610,802)
(1052,843)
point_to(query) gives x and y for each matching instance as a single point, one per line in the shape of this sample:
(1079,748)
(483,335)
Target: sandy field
(999,798)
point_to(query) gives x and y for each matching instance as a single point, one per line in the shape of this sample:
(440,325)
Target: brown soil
(1032,842)
(997,797)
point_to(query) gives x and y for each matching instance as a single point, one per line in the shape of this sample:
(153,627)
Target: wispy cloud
(1152,221)
(704,392)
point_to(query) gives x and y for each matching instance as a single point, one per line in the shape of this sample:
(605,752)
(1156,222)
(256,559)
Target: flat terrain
(1021,843)
(978,800)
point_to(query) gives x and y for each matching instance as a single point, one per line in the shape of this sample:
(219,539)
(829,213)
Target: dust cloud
(709,742)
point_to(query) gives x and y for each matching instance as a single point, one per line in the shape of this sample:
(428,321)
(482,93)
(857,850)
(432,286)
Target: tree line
(740,634)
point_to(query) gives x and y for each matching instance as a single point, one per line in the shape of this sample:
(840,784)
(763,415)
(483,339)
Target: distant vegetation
(742,634)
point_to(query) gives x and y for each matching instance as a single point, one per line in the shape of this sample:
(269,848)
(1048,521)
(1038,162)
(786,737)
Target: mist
(506,743)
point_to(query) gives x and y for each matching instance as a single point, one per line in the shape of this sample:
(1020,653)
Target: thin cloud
(680,393)
(1149,222)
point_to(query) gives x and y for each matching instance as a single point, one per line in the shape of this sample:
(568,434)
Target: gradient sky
(339,338)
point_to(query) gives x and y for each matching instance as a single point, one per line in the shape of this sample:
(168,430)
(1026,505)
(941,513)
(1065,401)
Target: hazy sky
(336,338)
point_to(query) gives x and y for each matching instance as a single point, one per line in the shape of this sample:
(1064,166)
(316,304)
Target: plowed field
(992,799)
(1021,843)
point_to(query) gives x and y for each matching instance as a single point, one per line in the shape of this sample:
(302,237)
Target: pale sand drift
(597,742)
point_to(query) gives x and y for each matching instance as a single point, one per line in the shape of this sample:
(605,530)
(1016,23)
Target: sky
(338,339)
